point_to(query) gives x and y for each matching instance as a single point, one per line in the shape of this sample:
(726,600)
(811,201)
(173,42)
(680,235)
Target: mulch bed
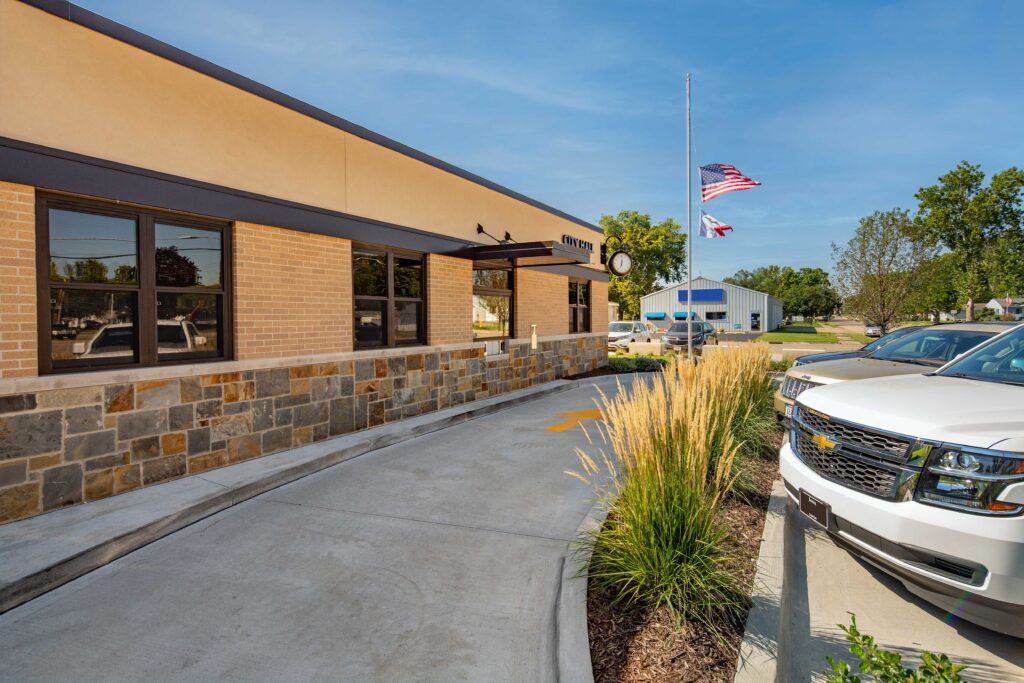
(644,646)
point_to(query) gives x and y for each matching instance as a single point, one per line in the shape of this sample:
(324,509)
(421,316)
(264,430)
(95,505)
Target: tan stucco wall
(64,86)
(449,300)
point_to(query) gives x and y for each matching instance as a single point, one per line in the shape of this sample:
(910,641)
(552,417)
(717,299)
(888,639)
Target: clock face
(620,263)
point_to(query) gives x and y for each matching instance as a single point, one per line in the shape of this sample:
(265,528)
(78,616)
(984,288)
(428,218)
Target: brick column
(598,306)
(18,342)
(449,300)
(543,299)
(292,292)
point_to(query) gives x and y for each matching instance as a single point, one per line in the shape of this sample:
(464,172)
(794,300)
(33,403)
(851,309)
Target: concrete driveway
(823,583)
(436,559)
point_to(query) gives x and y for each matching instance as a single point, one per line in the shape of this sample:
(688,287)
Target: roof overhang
(526,254)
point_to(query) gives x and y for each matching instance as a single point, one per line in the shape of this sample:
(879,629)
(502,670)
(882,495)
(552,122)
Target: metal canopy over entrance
(526,254)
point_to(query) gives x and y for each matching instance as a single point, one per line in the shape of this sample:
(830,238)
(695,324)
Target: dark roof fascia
(62,171)
(108,27)
(581,272)
(516,250)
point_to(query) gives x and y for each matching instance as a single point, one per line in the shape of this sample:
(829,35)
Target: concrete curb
(760,650)
(571,631)
(41,553)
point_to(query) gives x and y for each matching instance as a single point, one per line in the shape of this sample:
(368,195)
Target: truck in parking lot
(923,476)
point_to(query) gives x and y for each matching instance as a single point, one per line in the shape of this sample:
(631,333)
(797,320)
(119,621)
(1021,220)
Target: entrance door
(755,322)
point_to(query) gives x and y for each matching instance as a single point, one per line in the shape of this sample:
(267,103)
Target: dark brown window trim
(145,315)
(391,299)
(580,308)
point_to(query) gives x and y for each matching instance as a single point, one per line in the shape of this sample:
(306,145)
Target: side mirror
(78,348)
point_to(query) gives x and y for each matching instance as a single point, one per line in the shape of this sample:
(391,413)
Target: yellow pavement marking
(576,418)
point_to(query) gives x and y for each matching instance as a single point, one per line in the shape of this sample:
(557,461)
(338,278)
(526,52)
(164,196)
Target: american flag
(716,179)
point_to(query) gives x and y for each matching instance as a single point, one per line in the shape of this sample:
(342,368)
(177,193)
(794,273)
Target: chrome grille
(857,437)
(793,387)
(850,472)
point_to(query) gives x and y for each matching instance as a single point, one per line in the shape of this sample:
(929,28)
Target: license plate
(789,411)
(814,508)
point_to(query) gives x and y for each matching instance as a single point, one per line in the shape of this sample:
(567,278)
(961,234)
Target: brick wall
(18,344)
(293,293)
(542,299)
(449,300)
(598,306)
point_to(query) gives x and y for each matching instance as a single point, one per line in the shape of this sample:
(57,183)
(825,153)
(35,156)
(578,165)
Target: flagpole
(689,231)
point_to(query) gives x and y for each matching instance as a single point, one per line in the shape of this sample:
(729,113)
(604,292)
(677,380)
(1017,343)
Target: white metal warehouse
(729,308)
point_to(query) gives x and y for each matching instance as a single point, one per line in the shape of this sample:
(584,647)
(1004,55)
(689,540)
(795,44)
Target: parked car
(623,332)
(872,329)
(62,330)
(923,476)
(924,350)
(857,353)
(674,338)
(118,339)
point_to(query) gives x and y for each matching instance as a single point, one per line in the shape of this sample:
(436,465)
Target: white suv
(923,476)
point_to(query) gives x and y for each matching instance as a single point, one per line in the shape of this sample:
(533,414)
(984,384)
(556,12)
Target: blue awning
(680,315)
(655,316)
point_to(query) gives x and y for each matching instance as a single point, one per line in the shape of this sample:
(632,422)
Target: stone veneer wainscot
(67,439)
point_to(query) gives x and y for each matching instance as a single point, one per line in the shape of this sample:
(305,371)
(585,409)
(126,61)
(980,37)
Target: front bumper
(900,537)
(622,343)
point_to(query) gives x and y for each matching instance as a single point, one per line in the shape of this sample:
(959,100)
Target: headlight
(972,480)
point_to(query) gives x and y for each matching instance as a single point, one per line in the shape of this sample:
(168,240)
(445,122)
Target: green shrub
(885,666)
(781,365)
(671,460)
(636,363)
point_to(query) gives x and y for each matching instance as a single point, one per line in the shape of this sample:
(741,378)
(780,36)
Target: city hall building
(197,269)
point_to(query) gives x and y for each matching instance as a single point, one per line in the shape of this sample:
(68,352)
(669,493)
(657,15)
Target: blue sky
(839,108)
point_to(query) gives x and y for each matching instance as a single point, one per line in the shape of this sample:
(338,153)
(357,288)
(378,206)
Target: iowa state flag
(711,227)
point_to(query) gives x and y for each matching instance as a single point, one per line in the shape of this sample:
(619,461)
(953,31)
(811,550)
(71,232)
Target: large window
(388,296)
(579,306)
(122,287)
(492,303)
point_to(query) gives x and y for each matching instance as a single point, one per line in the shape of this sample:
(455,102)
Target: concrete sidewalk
(440,558)
(823,583)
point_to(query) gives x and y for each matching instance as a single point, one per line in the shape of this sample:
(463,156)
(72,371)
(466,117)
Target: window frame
(390,299)
(145,287)
(576,309)
(479,290)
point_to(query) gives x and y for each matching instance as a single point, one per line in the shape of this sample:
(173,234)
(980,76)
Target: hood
(847,369)
(831,355)
(951,409)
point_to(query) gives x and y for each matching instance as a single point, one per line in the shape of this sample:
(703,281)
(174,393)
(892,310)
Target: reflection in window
(492,304)
(579,306)
(388,298)
(87,247)
(108,308)
(187,323)
(92,327)
(187,257)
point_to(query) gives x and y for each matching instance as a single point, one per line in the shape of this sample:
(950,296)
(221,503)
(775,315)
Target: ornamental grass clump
(668,461)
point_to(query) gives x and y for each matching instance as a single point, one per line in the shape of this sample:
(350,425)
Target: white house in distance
(1010,305)
(729,308)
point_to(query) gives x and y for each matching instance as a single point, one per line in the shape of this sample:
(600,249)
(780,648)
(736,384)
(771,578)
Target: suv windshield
(620,327)
(889,338)
(934,347)
(1001,361)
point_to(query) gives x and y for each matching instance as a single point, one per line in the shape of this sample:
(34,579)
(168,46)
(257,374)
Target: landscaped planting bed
(691,459)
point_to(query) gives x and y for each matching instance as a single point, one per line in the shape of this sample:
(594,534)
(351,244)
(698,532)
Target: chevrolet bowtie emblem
(823,442)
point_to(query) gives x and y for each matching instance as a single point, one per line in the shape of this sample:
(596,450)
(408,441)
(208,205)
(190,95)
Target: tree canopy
(659,257)
(982,226)
(806,292)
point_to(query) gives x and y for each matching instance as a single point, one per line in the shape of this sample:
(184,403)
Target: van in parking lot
(923,476)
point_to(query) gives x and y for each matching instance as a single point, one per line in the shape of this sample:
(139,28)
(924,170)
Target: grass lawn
(859,337)
(798,334)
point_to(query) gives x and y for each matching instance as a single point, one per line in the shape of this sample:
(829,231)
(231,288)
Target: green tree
(881,267)
(659,257)
(807,292)
(767,279)
(937,292)
(967,218)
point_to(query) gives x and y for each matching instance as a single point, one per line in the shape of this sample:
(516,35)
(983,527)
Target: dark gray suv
(674,338)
